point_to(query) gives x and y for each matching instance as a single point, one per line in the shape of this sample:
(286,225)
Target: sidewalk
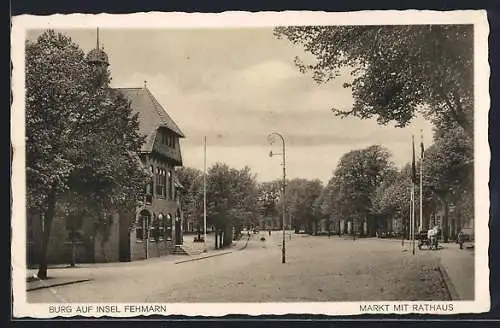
(458,265)
(61,275)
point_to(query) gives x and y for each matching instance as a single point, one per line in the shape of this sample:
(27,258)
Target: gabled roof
(152,115)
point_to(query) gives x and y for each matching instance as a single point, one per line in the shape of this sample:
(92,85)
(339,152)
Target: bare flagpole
(413,218)
(205,193)
(421,174)
(413,176)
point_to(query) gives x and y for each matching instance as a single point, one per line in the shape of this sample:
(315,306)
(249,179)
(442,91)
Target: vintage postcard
(250,163)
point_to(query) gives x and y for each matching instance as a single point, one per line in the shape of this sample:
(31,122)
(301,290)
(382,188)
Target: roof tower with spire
(97,55)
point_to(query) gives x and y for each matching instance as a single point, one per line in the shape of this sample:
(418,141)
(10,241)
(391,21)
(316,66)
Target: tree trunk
(216,238)
(228,235)
(221,235)
(47,224)
(73,248)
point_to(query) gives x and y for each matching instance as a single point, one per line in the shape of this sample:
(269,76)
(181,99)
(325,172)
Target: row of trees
(366,186)
(231,198)
(397,72)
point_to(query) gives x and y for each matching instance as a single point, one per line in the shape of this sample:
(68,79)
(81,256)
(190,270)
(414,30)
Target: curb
(450,288)
(57,284)
(201,258)
(213,255)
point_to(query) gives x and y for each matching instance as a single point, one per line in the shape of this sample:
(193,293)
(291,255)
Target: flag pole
(413,216)
(409,222)
(205,193)
(413,176)
(421,177)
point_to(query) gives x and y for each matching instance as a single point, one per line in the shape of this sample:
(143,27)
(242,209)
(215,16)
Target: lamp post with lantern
(271,154)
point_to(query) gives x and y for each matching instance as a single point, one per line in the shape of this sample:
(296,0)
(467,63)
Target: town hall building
(156,228)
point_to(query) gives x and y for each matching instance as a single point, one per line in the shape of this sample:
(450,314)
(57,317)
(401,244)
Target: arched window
(168,227)
(160,182)
(160,226)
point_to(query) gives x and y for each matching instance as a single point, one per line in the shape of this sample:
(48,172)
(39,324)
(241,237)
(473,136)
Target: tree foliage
(231,198)
(268,197)
(356,179)
(449,164)
(192,196)
(301,195)
(449,172)
(397,71)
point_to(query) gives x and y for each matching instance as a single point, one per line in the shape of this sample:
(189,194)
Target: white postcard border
(261,19)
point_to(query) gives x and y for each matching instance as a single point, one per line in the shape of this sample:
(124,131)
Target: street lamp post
(271,140)
(205,194)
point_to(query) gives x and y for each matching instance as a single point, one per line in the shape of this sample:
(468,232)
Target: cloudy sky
(236,86)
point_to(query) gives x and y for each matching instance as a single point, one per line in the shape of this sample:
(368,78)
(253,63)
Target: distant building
(456,222)
(155,229)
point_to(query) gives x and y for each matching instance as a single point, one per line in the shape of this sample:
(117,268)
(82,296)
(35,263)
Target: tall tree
(391,200)
(396,70)
(449,171)
(192,198)
(231,198)
(330,204)
(268,197)
(81,137)
(301,195)
(357,177)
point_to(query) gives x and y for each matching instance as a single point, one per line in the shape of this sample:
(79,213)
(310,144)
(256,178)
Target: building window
(149,192)
(170,185)
(169,140)
(151,230)
(150,187)
(168,227)
(161,182)
(160,227)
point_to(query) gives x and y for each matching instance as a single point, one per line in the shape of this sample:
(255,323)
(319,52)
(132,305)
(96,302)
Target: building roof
(152,115)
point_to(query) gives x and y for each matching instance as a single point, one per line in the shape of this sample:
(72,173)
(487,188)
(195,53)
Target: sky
(236,86)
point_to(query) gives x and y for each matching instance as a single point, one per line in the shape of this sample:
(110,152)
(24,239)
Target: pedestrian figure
(461,239)
(269,232)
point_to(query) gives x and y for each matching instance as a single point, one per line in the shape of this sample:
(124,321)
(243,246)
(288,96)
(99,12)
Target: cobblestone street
(317,269)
